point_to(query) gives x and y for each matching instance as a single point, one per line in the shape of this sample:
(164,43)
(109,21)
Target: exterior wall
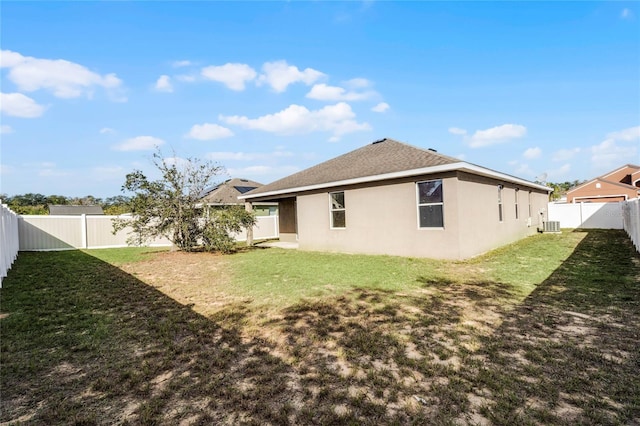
(479,223)
(607,192)
(383,219)
(288,237)
(380,219)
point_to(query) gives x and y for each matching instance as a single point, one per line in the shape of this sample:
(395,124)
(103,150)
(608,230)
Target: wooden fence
(42,233)
(9,241)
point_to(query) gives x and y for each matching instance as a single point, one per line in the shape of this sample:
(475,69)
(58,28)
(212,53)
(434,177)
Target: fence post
(83,228)
(9,240)
(249,207)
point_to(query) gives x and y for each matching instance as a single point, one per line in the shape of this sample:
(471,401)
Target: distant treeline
(560,188)
(38,203)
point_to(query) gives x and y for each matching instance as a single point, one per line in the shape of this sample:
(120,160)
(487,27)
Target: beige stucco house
(392,198)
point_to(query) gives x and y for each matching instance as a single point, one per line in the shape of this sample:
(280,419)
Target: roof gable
(603,181)
(228,191)
(379,158)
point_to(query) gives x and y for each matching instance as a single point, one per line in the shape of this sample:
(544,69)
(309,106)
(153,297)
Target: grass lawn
(545,331)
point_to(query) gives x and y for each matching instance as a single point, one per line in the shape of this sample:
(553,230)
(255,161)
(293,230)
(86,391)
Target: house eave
(460,166)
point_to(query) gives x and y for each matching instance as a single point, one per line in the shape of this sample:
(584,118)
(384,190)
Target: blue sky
(266,89)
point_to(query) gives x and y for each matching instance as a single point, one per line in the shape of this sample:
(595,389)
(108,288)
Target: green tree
(172,207)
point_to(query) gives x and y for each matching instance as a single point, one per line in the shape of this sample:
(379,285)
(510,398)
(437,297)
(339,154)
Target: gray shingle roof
(228,191)
(64,210)
(381,157)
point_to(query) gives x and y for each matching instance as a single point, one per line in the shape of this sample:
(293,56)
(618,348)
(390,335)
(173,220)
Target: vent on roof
(434,150)
(378,141)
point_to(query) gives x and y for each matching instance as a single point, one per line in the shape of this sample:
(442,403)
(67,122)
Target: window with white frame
(517,190)
(338,211)
(430,204)
(500,187)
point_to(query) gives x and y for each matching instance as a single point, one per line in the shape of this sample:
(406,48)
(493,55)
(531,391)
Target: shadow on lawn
(87,343)
(570,353)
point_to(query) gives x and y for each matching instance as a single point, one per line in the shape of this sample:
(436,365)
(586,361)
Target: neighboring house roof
(64,210)
(381,160)
(613,186)
(608,182)
(630,168)
(227,192)
(633,170)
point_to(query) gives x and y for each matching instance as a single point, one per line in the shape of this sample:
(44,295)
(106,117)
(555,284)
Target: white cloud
(324,92)
(5,169)
(613,151)
(626,14)
(5,129)
(246,156)
(358,83)
(179,162)
(557,174)
(279,75)
(295,119)
(139,143)
(234,76)
(609,154)
(564,154)
(496,135)
(106,173)
(524,169)
(63,78)
(263,171)
(532,153)
(180,64)
(630,134)
(107,131)
(164,84)
(187,78)
(19,105)
(49,169)
(207,132)
(457,131)
(381,107)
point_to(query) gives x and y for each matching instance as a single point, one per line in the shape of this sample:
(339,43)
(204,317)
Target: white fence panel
(265,228)
(631,220)
(587,215)
(9,240)
(42,233)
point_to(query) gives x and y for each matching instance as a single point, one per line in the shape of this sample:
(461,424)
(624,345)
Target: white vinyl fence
(587,215)
(631,220)
(9,241)
(42,233)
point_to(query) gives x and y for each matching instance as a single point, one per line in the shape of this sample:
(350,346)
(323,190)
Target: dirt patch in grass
(198,280)
(166,341)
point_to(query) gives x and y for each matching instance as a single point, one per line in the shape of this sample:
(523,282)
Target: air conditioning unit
(551,226)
